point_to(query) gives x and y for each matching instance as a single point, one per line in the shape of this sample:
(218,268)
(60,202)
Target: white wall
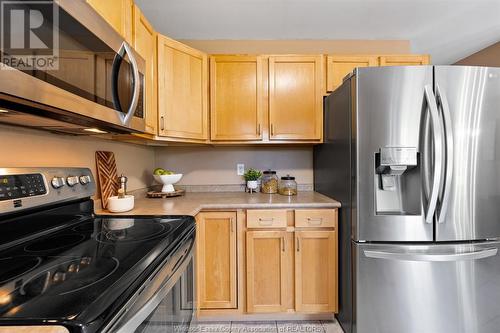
(217,165)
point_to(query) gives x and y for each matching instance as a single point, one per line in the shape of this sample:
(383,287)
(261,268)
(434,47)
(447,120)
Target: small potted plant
(251,177)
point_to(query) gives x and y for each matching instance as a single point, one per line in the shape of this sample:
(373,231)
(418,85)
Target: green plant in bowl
(252,175)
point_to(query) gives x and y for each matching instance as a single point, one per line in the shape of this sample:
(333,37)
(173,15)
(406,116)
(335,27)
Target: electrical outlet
(240,169)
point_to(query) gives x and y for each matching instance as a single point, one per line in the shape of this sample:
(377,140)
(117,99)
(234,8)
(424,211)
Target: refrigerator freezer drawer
(427,288)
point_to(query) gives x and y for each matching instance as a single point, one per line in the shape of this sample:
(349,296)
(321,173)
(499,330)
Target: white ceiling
(447,29)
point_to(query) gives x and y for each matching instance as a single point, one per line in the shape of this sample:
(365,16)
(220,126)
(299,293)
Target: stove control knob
(58,182)
(72,180)
(59,277)
(85,179)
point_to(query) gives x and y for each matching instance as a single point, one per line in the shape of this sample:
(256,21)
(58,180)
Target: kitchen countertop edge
(193,203)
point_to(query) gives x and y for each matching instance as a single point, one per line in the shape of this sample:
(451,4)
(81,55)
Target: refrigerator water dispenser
(397,181)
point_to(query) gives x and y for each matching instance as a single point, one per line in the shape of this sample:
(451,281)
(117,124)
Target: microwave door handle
(137,85)
(115,69)
(448,139)
(437,131)
(429,257)
(125,50)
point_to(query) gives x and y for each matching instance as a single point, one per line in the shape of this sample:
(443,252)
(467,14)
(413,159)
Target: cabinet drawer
(266,218)
(316,218)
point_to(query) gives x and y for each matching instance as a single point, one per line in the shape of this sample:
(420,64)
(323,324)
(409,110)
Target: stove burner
(14,267)
(143,231)
(54,243)
(99,270)
(62,278)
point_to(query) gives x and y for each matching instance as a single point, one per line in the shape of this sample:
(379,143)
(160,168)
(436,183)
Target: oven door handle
(136,82)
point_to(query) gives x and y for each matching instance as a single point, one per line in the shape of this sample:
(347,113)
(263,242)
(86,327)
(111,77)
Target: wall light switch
(240,169)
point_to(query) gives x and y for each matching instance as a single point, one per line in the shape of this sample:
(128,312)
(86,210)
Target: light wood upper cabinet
(404,60)
(182,91)
(118,13)
(216,260)
(236,98)
(267,271)
(296,89)
(338,66)
(144,37)
(316,271)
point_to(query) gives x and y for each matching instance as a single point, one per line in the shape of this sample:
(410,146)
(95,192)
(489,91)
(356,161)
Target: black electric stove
(62,265)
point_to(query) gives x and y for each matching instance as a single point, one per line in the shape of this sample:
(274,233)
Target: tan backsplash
(31,148)
(217,165)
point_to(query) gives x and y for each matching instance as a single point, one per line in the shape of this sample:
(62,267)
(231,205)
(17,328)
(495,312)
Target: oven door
(175,311)
(96,74)
(166,302)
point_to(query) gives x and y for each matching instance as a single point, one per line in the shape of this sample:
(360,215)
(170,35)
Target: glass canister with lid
(288,185)
(269,182)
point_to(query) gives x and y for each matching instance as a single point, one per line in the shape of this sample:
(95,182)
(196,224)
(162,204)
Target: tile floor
(267,327)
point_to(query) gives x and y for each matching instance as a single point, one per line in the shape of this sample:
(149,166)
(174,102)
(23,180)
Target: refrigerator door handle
(448,140)
(437,130)
(473,255)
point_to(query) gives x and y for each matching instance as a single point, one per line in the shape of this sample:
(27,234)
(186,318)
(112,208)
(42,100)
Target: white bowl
(168,181)
(117,205)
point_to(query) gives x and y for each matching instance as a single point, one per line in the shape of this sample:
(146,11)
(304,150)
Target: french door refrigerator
(413,155)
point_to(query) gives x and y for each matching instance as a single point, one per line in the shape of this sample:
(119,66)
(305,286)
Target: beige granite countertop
(194,202)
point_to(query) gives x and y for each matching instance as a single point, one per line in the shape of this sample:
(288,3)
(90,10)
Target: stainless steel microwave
(99,82)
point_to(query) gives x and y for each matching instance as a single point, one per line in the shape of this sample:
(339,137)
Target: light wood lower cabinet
(285,268)
(267,271)
(216,260)
(316,271)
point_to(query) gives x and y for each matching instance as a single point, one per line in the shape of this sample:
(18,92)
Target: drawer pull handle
(283,244)
(314,221)
(266,221)
(298,244)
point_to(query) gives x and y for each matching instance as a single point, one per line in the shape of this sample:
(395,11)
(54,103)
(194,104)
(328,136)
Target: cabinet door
(316,271)
(182,91)
(216,260)
(144,37)
(118,13)
(296,97)
(404,60)
(236,98)
(267,271)
(337,67)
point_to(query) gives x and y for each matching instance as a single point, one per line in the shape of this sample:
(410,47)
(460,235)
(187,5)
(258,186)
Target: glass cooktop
(84,271)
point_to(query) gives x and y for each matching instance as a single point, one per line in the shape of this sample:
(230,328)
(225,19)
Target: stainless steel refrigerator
(413,155)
